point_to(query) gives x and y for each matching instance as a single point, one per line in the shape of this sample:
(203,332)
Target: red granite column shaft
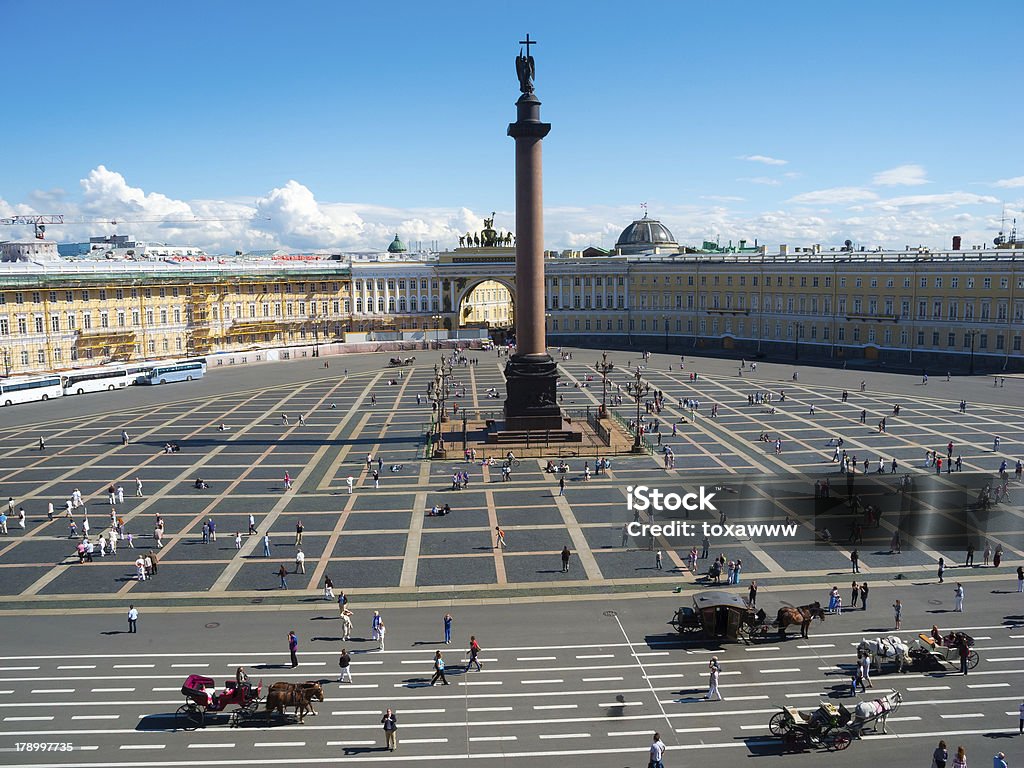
(529,306)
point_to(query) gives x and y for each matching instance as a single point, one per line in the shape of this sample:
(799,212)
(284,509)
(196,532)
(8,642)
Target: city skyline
(795,125)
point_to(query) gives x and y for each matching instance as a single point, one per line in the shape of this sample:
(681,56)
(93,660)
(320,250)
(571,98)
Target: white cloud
(300,221)
(909,175)
(1016,181)
(765,159)
(765,180)
(834,196)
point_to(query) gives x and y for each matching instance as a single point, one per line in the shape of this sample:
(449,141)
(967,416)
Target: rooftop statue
(524,66)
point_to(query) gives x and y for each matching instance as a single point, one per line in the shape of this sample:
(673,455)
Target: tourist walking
(328,588)
(499,538)
(715,670)
(133,618)
(390,722)
(447,620)
(942,568)
(897,610)
(138,487)
(282,573)
(940,755)
(960,761)
(958,598)
(474,658)
(438,669)
(293,648)
(565,559)
(345,665)
(252,524)
(657,752)
(375,624)
(300,562)
(999,761)
(266,545)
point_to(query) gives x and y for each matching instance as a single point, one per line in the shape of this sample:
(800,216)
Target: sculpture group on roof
(488,237)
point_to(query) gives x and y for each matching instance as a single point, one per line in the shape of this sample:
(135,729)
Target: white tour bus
(13,391)
(165,374)
(97,380)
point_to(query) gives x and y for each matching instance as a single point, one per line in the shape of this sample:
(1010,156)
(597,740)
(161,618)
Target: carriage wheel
(779,724)
(192,714)
(972,659)
(837,740)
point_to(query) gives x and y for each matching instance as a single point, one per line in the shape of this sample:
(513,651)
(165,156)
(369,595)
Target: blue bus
(165,374)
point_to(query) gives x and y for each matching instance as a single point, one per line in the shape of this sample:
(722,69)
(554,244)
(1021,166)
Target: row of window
(816,282)
(103,294)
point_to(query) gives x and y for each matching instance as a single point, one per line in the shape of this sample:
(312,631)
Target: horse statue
(298,695)
(890,647)
(462,241)
(802,616)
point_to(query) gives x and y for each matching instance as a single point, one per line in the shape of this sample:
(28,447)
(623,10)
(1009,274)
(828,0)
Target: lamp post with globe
(604,368)
(640,390)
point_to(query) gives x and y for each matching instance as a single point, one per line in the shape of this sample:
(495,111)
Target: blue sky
(790,122)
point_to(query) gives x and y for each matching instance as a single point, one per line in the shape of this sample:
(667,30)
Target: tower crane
(40,221)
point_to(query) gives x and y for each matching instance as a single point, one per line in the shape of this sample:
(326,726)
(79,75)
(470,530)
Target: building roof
(397,246)
(645,234)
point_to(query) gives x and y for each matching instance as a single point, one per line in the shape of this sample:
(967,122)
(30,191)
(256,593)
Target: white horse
(876,711)
(887,648)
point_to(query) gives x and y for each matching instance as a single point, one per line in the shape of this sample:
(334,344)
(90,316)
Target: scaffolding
(117,345)
(197,315)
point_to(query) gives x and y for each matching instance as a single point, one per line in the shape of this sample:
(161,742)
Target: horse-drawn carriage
(398,362)
(923,649)
(723,615)
(202,696)
(832,726)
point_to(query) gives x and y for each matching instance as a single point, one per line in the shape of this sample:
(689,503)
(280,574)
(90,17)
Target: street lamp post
(604,367)
(972,334)
(640,388)
(7,363)
(437,330)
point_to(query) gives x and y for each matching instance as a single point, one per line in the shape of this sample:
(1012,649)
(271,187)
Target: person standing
(964,652)
(133,617)
(960,761)
(940,755)
(375,624)
(705,546)
(855,561)
(565,559)
(897,611)
(299,528)
(293,648)
(138,487)
(969,560)
(561,486)
(266,545)
(345,663)
(328,588)
(865,670)
(942,568)
(1020,714)
(300,562)
(657,752)
(958,598)
(854,594)
(252,524)
(438,669)
(376,478)
(715,670)
(390,722)
(238,540)
(657,561)
(1020,578)
(752,594)
(213,529)
(987,555)
(999,761)
(282,574)
(474,658)
(447,628)
(346,624)
(124,437)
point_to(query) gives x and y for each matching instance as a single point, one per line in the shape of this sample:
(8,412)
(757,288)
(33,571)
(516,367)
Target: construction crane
(39,221)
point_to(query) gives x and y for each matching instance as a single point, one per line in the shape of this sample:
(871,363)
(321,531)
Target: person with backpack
(438,669)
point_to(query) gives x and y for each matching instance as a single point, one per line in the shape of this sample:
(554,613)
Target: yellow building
(55,316)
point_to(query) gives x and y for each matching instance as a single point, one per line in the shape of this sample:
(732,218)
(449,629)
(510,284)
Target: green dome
(397,246)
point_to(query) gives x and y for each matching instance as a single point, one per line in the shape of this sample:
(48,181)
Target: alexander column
(531,375)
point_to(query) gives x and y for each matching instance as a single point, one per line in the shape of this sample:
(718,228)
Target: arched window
(401,304)
(391,304)
(413,304)
(380,304)
(359,305)
(435,304)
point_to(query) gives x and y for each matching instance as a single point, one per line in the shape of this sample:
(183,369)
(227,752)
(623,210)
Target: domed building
(646,236)
(397,246)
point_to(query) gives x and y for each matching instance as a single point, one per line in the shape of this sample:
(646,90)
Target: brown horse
(301,698)
(309,685)
(803,616)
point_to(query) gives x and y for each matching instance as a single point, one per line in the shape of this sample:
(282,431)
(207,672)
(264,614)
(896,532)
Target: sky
(311,124)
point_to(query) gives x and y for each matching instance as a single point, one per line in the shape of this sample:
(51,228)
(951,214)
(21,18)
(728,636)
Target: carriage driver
(242,680)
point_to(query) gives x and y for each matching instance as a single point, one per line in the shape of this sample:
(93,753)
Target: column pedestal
(532,403)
